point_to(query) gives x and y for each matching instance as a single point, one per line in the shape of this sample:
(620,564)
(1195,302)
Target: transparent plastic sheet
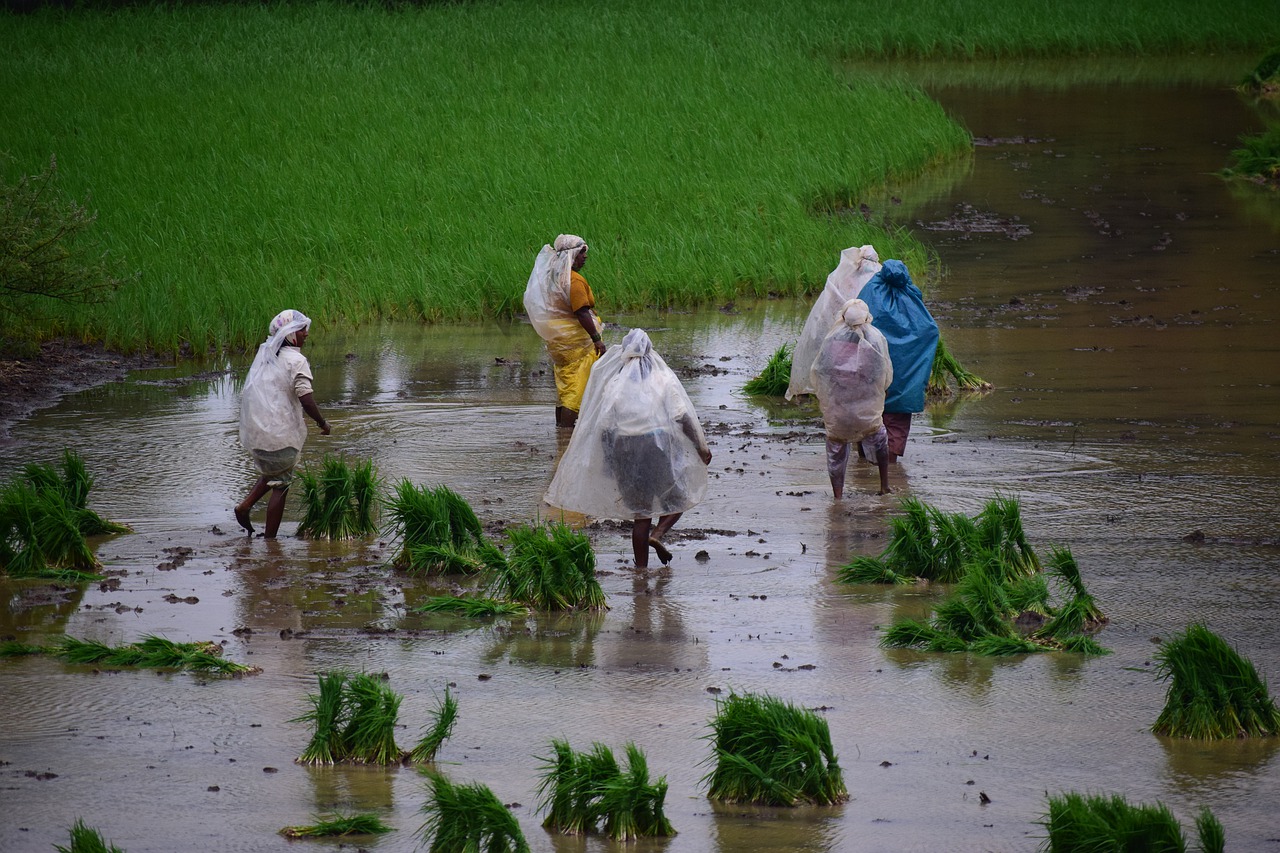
(857,266)
(271,416)
(850,375)
(630,455)
(546,301)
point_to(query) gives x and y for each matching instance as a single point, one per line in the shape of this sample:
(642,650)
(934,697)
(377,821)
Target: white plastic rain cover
(850,374)
(857,266)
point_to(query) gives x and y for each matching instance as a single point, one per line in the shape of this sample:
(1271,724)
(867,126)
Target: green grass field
(357,162)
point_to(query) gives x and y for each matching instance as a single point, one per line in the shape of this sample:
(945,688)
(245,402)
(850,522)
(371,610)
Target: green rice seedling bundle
(353,719)
(773,380)
(1258,157)
(1079,823)
(1264,78)
(999,529)
(585,792)
(471,607)
(334,825)
(1214,691)
(945,364)
(86,840)
(339,501)
(446,715)
(548,567)
(770,752)
(438,530)
(864,570)
(151,652)
(468,818)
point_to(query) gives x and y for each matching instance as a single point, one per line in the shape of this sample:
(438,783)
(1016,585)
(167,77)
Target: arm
(309,406)
(589,326)
(690,429)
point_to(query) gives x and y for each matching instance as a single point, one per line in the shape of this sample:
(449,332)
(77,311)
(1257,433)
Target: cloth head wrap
(855,313)
(285,325)
(568,242)
(637,346)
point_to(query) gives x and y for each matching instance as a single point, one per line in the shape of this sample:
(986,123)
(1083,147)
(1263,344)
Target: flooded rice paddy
(1123,301)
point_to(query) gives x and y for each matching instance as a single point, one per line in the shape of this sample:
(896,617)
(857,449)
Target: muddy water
(1130,330)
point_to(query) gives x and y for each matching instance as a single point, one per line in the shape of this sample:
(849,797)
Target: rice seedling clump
(86,840)
(467,818)
(45,519)
(354,719)
(947,365)
(439,532)
(340,500)
(470,606)
(1079,823)
(773,380)
(548,567)
(151,652)
(334,825)
(1214,692)
(584,792)
(446,715)
(771,752)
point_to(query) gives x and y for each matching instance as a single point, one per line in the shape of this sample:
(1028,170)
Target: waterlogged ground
(1123,301)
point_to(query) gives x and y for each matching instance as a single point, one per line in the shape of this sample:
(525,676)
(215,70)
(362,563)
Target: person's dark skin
(646,535)
(882,463)
(566,417)
(275,504)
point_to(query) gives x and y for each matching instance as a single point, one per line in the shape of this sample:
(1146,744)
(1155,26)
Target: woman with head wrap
(639,429)
(561,306)
(851,372)
(857,265)
(898,306)
(276,393)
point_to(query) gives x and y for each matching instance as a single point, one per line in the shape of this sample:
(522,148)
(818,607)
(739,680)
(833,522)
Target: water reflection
(815,829)
(556,640)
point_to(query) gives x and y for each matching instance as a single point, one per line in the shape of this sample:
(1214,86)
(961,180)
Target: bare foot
(661,550)
(242,517)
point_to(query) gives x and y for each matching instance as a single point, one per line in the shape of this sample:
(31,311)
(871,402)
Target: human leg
(876,446)
(242,509)
(640,541)
(275,511)
(898,426)
(837,461)
(663,527)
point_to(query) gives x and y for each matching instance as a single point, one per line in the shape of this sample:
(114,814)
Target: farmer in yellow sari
(561,307)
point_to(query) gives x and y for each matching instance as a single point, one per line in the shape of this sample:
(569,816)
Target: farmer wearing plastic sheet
(638,450)
(900,314)
(276,393)
(851,372)
(561,308)
(857,266)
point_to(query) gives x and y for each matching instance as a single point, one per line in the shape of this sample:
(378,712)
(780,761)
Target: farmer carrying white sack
(638,450)
(850,375)
(272,429)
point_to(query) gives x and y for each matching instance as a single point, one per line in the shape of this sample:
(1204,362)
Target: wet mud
(1132,416)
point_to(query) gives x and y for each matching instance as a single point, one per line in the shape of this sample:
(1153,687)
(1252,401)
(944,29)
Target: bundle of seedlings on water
(866,570)
(1265,77)
(1079,823)
(773,380)
(470,606)
(548,567)
(339,500)
(770,752)
(150,652)
(45,519)
(446,715)
(1214,691)
(86,840)
(468,818)
(354,719)
(999,529)
(945,364)
(1258,158)
(585,792)
(328,826)
(438,530)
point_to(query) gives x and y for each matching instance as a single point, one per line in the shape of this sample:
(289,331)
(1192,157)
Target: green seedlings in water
(339,501)
(445,717)
(471,607)
(1214,692)
(867,570)
(588,792)
(438,530)
(465,818)
(1077,823)
(151,652)
(86,840)
(44,522)
(945,364)
(770,752)
(773,381)
(548,567)
(328,826)
(353,720)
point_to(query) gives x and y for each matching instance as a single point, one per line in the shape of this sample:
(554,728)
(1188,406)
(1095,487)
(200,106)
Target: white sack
(857,266)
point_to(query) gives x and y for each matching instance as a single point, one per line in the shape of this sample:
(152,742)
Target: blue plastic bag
(897,310)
